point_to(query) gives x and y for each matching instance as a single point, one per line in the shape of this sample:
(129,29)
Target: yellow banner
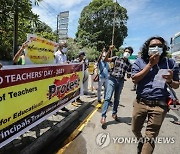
(40,50)
(30,94)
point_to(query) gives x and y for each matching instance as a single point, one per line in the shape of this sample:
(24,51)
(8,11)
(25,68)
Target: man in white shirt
(60,58)
(60,55)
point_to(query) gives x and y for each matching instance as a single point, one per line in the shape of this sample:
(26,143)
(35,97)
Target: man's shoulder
(58,53)
(76,60)
(114,58)
(139,60)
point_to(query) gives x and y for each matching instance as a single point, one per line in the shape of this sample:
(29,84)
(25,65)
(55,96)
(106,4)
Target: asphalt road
(118,138)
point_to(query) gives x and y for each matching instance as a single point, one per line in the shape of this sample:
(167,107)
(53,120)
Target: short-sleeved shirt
(103,69)
(60,58)
(145,88)
(121,66)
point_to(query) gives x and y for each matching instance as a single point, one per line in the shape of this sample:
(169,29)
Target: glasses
(155,45)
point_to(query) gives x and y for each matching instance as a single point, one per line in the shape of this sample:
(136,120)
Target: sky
(146,18)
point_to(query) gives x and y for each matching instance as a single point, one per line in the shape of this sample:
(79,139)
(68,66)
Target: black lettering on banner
(52,89)
(62,89)
(39,49)
(3,97)
(22,92)
(4,121)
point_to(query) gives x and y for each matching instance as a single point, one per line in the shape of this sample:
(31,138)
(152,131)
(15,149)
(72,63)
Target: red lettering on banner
(63,86)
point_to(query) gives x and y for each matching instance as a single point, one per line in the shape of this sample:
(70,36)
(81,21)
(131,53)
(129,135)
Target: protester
(60,58)
(19,58)
(152,94)
(116,80)
(93,70)
(60,55)
(103,67)
(82,59)
(72,60)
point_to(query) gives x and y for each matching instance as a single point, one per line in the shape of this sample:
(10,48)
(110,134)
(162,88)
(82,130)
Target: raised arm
(18,54)
(140,75)
(108,54)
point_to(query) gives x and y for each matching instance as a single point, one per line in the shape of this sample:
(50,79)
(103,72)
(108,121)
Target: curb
(50,135)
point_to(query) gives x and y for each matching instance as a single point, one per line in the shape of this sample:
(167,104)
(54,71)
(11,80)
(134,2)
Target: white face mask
(126,55)
(64,50)
(154,50)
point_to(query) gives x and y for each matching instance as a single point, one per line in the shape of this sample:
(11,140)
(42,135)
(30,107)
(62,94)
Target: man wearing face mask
(82,59)
(103,68)
(60,55)
(152,72)
(60,58)
(121,66)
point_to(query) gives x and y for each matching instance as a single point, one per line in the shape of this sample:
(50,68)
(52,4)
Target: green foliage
(28,22)
(91,53)
(43,30)
(96,24)
(74,48)
(169,55)
(119,52)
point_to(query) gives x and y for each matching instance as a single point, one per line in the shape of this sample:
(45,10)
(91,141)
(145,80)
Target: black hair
(130,49)
(61,44)
(81,53)
(145,48)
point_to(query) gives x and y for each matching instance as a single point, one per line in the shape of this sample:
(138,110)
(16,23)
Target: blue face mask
(155,50)
(64,50)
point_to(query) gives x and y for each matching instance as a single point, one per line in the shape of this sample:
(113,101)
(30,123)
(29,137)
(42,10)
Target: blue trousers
(115,86)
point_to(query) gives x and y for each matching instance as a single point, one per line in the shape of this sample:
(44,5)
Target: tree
(119,52)
(74,48)
(28,22)
(96,24)
(7,24)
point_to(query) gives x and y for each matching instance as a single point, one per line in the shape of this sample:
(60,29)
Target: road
(111,140)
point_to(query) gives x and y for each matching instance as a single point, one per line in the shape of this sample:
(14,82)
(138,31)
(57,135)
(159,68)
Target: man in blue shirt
(103,68)
(152,72)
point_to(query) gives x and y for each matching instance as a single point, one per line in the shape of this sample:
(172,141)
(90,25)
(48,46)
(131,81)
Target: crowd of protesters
(149,83)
